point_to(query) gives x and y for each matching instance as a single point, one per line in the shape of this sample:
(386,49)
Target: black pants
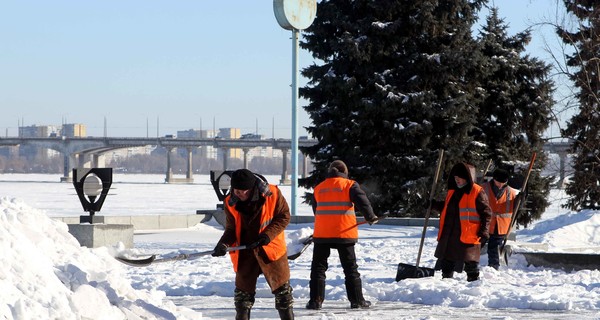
(321,253)
(493,247)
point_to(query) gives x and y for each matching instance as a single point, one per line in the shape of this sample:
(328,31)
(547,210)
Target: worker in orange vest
(256,216)
(335,201)
(502,199)
(464,221)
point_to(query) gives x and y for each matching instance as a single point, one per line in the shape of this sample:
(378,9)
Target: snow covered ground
(44,274)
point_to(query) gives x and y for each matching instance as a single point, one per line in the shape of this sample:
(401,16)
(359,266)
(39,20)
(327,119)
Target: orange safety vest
(469,218)
(334,215)
(502,209)
(277,247)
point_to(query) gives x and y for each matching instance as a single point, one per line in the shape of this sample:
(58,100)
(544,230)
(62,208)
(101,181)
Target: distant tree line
(157,164)
(38,164)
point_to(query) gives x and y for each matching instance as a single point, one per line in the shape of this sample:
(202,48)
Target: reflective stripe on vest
(502,209)
(334,214)
(277,247)
(469,218)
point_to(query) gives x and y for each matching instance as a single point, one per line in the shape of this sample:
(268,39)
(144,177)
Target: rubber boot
(284,301)
(355,295)
(243,304)
(317,294)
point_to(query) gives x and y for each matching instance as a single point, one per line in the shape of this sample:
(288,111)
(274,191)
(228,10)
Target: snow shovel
(406,271)
(503,252)
(183,256)
(306,243)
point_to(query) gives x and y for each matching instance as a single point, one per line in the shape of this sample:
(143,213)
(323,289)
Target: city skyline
(141,68)
(52,130)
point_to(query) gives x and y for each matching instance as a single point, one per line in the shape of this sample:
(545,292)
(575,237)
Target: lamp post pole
(295,33)
(295,15)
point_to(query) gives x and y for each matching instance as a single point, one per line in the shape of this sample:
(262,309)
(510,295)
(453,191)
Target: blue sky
(156,67)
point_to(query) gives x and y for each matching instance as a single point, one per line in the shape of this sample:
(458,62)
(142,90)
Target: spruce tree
(393,86)
(583,129)
(515,110)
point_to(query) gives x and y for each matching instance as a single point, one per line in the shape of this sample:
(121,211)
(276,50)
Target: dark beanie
(501,175)
(460,170)
(339,166)
(242,179)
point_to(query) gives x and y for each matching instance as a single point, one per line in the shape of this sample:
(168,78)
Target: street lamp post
(295,15)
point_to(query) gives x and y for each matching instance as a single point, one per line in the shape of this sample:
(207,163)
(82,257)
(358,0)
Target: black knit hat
(242,179)
(460,170)
(501,175)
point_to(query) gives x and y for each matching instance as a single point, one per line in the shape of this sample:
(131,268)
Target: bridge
(88,151)
(562,149)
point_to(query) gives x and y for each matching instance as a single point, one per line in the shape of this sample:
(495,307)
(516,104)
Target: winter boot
(287,314)
(317,294)
(243,304)
(242,313)
(284,301)
(472,270)
(448,275)
(355,295)
(473,276)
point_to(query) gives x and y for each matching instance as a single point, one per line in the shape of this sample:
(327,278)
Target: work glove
(377,218)
(219,250)
(263,240)
(484,235)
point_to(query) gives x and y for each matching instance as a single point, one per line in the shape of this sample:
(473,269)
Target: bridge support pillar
(68,160)
(189,176)
(169,175)
(562,160)
(98,160)
(85,160)
(225,158)
(304,165)
(245,150)
(284,175)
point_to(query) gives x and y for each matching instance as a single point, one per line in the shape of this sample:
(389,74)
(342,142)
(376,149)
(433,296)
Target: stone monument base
(100,235)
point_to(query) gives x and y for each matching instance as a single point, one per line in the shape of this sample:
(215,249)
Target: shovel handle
(435,180)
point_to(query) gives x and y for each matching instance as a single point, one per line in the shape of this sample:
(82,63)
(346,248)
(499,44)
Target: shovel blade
(406,271)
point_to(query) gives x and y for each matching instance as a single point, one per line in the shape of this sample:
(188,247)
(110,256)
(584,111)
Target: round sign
(295,14)
(92,185)
(224,182)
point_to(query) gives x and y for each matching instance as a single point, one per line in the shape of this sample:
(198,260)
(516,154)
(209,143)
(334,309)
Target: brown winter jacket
(449,245)
(252,261)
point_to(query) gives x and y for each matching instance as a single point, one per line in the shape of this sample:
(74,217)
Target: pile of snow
(569,230)
(45,274)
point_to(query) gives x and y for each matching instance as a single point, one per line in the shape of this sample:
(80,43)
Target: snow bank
(45,274)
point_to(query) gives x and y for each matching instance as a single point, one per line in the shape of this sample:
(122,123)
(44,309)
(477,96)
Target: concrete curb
(157,222)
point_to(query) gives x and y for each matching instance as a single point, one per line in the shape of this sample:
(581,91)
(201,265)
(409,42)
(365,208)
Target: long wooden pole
(513,218)
(431,195)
